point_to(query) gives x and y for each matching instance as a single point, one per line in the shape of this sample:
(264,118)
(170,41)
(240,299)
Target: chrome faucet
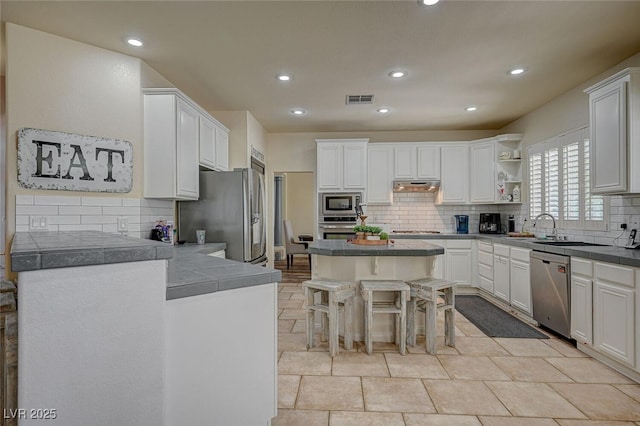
(555,230)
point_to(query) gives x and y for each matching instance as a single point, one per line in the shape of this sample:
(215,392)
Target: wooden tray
(521,234)
(370,242)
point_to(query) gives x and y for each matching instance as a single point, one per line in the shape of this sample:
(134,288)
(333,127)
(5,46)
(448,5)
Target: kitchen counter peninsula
(403,260)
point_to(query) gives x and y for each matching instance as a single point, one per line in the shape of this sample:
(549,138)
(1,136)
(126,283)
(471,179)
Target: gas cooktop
(414,231)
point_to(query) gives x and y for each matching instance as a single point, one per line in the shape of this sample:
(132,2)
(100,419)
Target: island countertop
(399,248)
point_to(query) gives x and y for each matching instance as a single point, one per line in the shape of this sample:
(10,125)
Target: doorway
(295,199)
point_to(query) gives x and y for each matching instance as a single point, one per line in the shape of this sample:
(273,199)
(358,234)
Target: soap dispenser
(516,194)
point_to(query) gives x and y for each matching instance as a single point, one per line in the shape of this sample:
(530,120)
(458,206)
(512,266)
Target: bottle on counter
(512,223)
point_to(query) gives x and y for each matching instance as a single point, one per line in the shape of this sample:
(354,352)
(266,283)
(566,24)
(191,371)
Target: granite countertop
(399,248)
(610,254)
(192,272)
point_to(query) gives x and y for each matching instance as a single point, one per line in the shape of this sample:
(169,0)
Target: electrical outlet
(38,223)
(123,224)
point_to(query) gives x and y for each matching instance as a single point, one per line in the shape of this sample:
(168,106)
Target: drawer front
(615,274)
(485,258)
(501,250)
(485,271)
(459,244)
(581,267)
(486,247)
(520,254)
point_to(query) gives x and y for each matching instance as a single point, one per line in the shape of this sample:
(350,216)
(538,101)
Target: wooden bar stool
(425,293)
(398,307)
(332,294)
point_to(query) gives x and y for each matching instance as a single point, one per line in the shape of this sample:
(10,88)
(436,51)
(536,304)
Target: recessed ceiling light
(134,42)
(298,111)
(471,108)
(398,74)
(516,71)
(383,110)
(284,77)
(427,2)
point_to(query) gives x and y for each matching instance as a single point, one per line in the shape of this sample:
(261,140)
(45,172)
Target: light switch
(123,224)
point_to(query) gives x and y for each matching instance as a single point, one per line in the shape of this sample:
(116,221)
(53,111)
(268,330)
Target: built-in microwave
(339,203)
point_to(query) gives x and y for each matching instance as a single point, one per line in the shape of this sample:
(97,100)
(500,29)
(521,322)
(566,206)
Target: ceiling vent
(359,99)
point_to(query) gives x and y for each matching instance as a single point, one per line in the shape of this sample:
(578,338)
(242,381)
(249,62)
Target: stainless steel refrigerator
(231,209)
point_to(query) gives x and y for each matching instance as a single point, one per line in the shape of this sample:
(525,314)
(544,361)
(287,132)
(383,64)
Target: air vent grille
(359,99)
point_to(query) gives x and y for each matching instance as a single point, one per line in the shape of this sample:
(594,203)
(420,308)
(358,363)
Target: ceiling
(225,55)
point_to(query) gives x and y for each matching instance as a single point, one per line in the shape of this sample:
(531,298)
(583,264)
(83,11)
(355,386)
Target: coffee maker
(462,223)
(490,223)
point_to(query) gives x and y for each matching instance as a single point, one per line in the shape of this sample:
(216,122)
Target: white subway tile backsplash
(131,202)
(100,201)
(94,227)
(120,210)
(36,210)
(80,210)
(45,200)
(99,219)
(24,200)
(64,220)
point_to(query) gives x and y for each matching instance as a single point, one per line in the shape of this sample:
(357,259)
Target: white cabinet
(454,185)
(482,185)
(519,279)
(501,284)
(582,300)
(508,170)
(171,146)
(458,261)
(405,162)
(428,162)
(417,161)
(341,164)
(485,266)
(614,106)
(380,175)
(614,312)
(214,144)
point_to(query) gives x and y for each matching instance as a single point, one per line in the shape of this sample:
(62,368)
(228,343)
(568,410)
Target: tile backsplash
(72,213)
(418,211)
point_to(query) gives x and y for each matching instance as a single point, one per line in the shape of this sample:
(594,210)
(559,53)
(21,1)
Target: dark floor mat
(493,321)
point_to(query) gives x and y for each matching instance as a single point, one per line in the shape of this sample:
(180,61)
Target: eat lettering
(77,161)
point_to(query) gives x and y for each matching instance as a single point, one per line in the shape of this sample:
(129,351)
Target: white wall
(300,198)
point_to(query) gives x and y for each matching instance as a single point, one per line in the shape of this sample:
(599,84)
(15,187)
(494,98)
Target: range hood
(416,185)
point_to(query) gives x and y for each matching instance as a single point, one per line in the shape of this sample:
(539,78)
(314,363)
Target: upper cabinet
(482,182)
(417,161)
(454,185)
(380,174)
(179,136)
(614,106)
(341,164)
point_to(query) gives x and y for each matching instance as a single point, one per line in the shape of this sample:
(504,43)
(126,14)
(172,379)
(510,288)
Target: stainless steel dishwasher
(551,291)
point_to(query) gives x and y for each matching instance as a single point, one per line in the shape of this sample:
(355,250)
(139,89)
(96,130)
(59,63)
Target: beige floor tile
(359,364)
(599,401)
(284,296)
(300,326)
(632,390)
(471,368)
(564,348)
(526,369)
(395,394)
(285,288)
(330,393)
(297,314)
(290,304)
(516,421)
(569,422)
(484,346)
(533,400)
(470,330)
(379,347)
(354,418)
(587,370)
(285,325)
(527,347)
(416,366)
(464,397)
(292,342)
(298,296)
(287,390)
(309,363)
(441,348)
(440,420)
(300,417)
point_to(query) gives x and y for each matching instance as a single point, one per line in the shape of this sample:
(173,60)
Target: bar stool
(425,294)
(398,307)
(332,294)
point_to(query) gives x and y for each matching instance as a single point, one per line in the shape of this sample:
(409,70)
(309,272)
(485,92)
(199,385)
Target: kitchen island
(403,260)
(128,328)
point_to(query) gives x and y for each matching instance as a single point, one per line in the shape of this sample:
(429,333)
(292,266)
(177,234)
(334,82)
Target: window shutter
(571,181)
(535,184)
(552,182)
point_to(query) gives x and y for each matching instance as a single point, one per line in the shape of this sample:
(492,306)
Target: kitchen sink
(569,243)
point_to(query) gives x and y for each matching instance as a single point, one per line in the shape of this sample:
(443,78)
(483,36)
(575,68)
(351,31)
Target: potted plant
(360,231)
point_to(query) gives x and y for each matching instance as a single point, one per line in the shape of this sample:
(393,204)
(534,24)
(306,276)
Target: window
(559,183)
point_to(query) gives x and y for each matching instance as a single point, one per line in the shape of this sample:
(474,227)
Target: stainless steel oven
(336,231)
(339,203)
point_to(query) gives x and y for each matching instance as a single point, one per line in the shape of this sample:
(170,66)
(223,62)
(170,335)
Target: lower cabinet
(485,266)
(519,279)
(455,264)
(582,300)
(501,284)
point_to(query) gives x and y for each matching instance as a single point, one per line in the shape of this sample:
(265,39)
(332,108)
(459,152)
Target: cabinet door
(329,166)
(380,175)
(459,266)
(207,138)
(405,162)
(614,321)
(454,186)
(501,277)
(428,162)
(608,108)
(355,166)
(187,151)
(222,150)
(581,309)
(520,285)
(483,179)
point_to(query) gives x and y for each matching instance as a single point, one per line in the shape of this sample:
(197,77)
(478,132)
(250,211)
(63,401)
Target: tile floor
(483,381)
